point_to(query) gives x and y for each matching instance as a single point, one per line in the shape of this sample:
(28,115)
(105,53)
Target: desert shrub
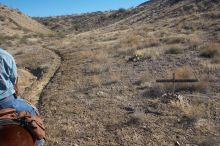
(2,18)
(100,56)
(96,68)
(7,38)
(126,51)
(174,40)
(174,49)
(2,39)
(23,40)
(96,81)
(151,42)
(211,51)
(186,72)
(121,10)
(114,77)
(131,40)
(156,90)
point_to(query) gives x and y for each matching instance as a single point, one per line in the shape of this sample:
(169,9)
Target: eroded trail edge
(33,94)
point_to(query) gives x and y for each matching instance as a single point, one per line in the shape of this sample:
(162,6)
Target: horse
(12,133)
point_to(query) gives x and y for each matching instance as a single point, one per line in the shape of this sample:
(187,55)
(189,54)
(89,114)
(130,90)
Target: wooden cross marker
(174,80)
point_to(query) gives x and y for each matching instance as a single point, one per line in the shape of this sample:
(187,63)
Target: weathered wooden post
(174,80)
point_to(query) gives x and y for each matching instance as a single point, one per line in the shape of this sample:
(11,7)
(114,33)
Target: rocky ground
(99,87)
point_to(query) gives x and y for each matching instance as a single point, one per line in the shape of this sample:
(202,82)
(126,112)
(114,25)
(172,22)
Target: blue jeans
(20,105)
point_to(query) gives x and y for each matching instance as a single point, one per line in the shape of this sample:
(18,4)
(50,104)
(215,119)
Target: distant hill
(85,22)
(13,22)
(149,11)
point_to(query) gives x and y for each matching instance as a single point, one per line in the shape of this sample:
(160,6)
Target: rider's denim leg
(7,103)
(17,103)
(40,142)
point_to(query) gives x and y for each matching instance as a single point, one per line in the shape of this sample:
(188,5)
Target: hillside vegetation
(103,89)
(13,21)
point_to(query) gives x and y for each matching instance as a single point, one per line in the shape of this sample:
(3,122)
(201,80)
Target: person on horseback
(9,87)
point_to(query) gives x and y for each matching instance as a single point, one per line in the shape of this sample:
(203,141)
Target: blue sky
(62,7)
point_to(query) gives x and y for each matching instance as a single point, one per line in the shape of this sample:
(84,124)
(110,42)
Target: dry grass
(211,51)
(174,49)
(184,72)
(191,111)
(187,72)
(138,115)
(115,77)
(153,52)
(175,40)
(100,56)
(94,88)
(95,68)
(96,81)
(131,41)
(199,112)
(146,77)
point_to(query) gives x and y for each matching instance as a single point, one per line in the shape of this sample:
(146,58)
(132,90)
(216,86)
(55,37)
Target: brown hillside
(13,22)
(85,22)
(104,92)
(151,11)
(100,75)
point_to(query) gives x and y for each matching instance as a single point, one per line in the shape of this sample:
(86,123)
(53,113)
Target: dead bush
(186,72)
(174,49)
(131,41)
(155,91)
(174,40)
(211,51)
(96,68)
(96,81)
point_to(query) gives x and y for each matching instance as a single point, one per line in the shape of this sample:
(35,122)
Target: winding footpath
(33,94)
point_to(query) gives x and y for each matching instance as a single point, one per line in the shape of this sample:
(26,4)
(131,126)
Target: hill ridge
(12,20)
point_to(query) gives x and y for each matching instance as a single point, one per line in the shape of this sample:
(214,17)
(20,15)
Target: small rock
(102,94)
(177,143)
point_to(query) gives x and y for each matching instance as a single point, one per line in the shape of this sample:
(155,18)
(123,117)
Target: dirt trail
(34,91)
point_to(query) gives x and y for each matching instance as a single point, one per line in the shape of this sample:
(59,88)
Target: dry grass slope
(104,91)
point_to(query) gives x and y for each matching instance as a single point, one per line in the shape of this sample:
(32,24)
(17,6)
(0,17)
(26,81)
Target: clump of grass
(23,40)
(174,40)
(146,77)
(96,81)
(174,49)
(100,56)
(126,51)
(138,116)
(186,72)
(115,77)
(191,111)
(2,18)
(211,51)
(96,68)
(133,40)
(151,42)
(154,91)
(4,39)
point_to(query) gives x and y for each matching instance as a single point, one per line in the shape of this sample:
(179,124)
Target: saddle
(33,124)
